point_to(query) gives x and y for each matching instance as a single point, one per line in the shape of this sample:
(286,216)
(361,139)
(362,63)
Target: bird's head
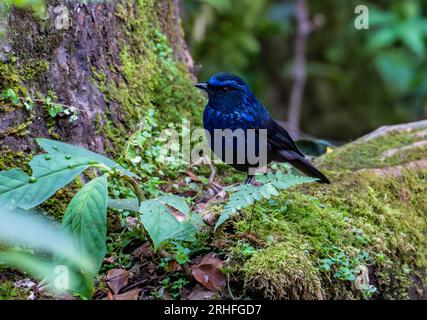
(225,90)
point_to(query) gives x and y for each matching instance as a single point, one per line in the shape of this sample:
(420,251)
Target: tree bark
(63,55)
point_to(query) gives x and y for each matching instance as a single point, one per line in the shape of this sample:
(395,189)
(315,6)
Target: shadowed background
(355,80)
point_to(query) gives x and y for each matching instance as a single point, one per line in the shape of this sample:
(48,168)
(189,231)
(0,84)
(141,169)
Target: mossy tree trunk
(85,55)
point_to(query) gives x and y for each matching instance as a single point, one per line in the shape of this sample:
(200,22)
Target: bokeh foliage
(357,80)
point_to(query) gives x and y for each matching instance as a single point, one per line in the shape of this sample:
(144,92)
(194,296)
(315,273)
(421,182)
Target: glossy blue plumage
(232,105)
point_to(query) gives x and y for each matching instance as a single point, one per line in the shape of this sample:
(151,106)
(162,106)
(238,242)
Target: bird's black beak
(203,86)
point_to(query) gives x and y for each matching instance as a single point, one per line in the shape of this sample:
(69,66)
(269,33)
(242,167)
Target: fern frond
(245,195)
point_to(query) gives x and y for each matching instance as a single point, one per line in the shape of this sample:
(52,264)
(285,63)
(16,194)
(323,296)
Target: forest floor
(363,236)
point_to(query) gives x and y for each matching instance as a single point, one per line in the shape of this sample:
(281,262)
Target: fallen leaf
(110,259)
(192,176)
(200,293)
(208,272)
(166,295)
(117,279)
(129,295)
(211,258)
(209,276)
(173,266)
(143,250)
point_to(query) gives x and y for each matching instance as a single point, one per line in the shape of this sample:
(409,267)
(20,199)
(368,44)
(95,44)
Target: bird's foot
(216,191)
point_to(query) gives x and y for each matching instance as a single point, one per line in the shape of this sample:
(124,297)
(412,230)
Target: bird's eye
(225,88)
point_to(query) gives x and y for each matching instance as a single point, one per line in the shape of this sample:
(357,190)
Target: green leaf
(397,69)
(86,219)
(124,204)
(11,95)
(161,225)
(22,229)
(53,146)
(411,34)
(177,202)
(51,172)
(382,38)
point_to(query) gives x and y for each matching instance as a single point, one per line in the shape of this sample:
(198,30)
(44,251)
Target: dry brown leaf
(211,258)
(209,276)
(208,272)
(117,279)
(110,259)
(129,295)
(144,250)
(200,293)
(173,266)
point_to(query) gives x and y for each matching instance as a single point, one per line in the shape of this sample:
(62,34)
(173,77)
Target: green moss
(14,76)
(325,232)
(369,154)
(9,291)
(10,159)
(282,271)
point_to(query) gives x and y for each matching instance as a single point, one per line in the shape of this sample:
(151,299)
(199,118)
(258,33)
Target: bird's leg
(248,179)
(217,188)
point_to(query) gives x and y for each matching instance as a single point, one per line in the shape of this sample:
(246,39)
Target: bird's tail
(303,165)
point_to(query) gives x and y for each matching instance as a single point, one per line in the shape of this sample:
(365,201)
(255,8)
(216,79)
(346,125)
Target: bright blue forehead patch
(227,79)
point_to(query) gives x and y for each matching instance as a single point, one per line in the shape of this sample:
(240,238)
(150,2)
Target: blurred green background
(356,80)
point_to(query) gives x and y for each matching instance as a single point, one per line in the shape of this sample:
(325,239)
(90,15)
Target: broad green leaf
(161,225)
(380,18)
(52,146)
(411,34)
(38,267)
(382,38)
(44,269)
(124,204)
(86,219)
(397,70)
(51,172)
(22,229)
(177,202)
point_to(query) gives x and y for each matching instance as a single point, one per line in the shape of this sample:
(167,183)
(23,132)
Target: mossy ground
(311,240)
(8,289)
(307,242)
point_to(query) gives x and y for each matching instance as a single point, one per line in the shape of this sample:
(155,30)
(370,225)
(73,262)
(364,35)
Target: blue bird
(232,105)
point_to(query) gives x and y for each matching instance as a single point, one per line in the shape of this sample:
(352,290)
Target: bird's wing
(280,138)
(277,136)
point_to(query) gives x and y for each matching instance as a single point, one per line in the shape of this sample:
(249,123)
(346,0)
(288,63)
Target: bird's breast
(218,119)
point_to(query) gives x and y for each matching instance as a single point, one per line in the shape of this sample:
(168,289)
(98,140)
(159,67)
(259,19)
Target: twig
(228,287)
(299,69)
(136,188)
(54,103)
